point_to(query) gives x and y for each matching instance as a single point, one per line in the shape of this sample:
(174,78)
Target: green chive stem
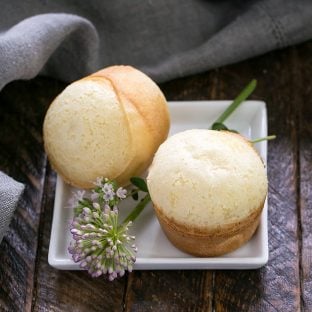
(267,138)
(138,208)
(238,100)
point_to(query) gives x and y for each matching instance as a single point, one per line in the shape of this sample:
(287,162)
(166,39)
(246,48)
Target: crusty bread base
(209,242)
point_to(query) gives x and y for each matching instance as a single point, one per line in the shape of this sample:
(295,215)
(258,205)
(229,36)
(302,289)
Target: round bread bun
(108,124)
(208,190)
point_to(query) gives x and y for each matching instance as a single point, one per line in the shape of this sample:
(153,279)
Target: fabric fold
(10,193)
(61,39)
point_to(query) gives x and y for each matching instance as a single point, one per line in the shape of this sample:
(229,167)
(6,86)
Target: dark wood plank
(276,286)
(169,291)
(305,161)
(22,106)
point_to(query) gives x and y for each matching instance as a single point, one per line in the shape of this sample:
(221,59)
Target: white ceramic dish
(155,251)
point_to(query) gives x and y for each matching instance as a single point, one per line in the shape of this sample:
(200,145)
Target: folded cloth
(67,44)
(164,38)
(10,192)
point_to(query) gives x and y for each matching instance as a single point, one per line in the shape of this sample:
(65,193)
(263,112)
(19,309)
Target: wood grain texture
(305,172)
(21,156)
(28,283)
(171,291)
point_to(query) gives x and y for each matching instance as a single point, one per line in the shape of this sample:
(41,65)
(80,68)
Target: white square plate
(155,251)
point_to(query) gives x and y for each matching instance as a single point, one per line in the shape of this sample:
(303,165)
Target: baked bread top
(107,124)
(207,179)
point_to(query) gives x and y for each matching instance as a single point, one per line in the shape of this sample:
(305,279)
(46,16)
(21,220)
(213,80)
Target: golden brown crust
(206,242)
(146,121)
(146,110)
(130,82)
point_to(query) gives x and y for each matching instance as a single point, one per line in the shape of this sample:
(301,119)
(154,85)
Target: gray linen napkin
(10,192)
(164,38)
(68,43)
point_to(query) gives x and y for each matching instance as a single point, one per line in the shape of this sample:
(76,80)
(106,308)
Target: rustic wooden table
(27,282)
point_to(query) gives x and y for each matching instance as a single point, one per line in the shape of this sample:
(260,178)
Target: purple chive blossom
(106,208)
(99,181)
(108,192)
(108,188)
(110,195)
(78,196)
(75,198)
(101,245)
(94,196)
(121,193)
